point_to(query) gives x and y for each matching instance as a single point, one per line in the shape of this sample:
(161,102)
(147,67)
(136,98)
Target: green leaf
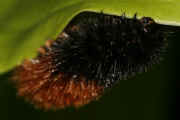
(26,24)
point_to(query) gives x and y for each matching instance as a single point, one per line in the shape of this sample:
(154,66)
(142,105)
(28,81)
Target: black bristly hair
(108,48)
(92,53)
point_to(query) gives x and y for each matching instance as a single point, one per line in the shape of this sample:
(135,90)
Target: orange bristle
(35,82)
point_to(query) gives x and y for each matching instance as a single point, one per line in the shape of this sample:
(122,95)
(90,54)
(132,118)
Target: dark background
(148,96)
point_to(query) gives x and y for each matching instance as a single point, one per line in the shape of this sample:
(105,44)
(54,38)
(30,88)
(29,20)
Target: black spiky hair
(109,48)
(92,53)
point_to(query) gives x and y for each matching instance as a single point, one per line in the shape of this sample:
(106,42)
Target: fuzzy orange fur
(35,82)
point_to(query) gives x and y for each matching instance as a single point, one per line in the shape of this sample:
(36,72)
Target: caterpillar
(91,54)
